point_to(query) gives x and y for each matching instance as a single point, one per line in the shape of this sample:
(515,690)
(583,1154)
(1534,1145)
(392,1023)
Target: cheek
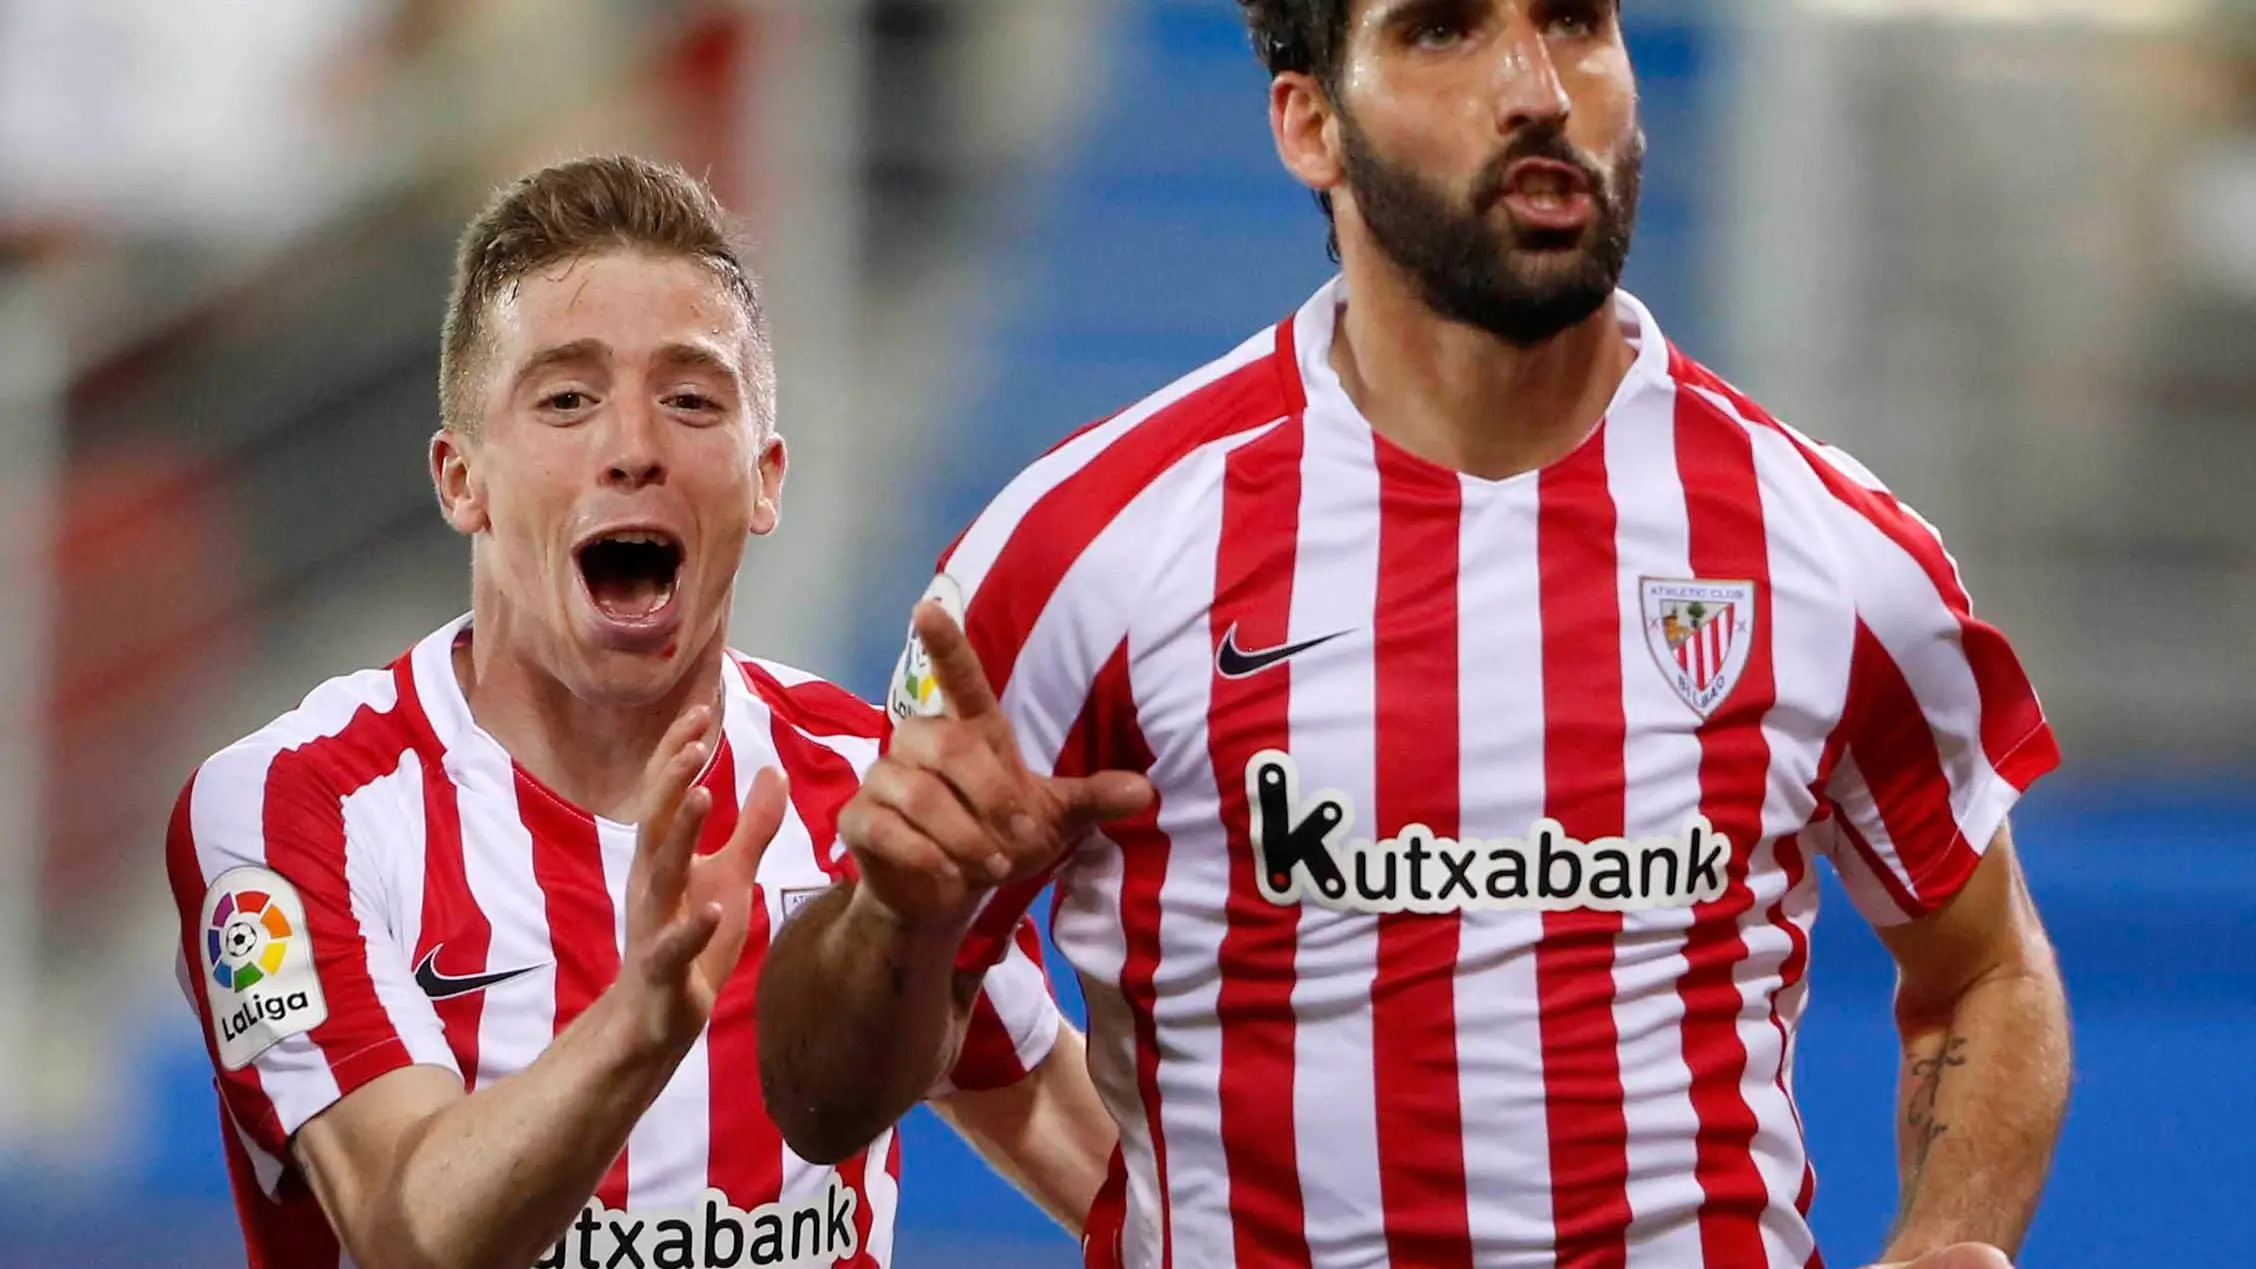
(1605,97)
(524,515)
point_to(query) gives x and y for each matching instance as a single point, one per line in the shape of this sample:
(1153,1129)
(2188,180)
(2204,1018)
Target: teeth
(640,539)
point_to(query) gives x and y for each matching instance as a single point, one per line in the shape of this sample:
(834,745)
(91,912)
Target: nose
(634,452)
(1529,92)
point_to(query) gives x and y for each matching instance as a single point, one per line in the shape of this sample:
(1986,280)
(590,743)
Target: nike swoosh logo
(1233,662)
(440,986)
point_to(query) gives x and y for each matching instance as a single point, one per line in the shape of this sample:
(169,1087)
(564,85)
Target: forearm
(495,1178)
(1049,1134)
(1985,1083)
(858,1015)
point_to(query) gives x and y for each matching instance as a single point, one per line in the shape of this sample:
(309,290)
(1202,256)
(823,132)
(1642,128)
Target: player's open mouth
(631,574)
(1546,194)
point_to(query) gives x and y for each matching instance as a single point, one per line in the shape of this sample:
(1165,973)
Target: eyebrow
(577,352)
(694,357)
(586,351)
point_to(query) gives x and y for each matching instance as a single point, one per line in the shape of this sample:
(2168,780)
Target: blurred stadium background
(2004,249)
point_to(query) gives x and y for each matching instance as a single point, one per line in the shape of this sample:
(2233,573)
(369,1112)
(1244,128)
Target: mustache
(1546,142)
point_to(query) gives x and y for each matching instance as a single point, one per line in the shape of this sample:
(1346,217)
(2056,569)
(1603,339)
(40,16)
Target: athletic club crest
(1699,632)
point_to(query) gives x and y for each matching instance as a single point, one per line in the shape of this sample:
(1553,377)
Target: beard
(1521,285)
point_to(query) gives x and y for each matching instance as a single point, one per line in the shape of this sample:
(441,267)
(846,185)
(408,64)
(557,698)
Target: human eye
(697,406)
(1577,19)
(566,401)
(1436,25)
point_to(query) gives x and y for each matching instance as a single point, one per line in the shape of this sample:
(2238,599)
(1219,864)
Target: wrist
(870,917)
(634,1032)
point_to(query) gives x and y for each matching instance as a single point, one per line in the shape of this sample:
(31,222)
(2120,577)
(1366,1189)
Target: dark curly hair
(1304,36)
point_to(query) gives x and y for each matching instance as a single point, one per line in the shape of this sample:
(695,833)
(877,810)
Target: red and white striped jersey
(1472,919)
(370,882)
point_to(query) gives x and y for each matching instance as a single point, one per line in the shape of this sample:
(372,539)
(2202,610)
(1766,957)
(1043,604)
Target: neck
(1462,398)
(594,754)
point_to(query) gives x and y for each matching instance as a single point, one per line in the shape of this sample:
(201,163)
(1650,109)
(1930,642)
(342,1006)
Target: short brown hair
(574,209)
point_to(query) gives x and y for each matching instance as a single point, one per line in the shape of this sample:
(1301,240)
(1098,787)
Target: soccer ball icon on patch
(247,940)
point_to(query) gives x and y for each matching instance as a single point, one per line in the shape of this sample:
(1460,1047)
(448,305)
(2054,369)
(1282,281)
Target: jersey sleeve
(1014,1022)
(1045,642)
(1940,733)
(827,742)
(1048,579)
(287,952)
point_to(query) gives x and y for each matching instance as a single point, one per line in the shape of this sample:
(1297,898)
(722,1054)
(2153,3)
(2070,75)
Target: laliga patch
(915,691)
(258,965)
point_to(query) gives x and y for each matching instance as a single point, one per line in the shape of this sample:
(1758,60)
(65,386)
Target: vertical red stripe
(304,834)
(568,867)
(451,915)
(744,1158)
(747,1150)
(1723,503)
(1796,863)
(1108,735)
(1584,734)
(1253,572)
(1421,1139)
(1894,749)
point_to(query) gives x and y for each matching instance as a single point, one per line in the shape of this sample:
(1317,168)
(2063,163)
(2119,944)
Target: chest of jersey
(518,919)
(1401,690)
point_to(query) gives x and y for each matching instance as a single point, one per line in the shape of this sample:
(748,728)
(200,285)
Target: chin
(622,680)
(614,667)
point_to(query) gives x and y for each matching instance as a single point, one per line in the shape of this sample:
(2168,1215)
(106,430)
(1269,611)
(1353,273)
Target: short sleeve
(1940,732)
(1047,580)
(1014,1022)
(303,990)
(1051,662)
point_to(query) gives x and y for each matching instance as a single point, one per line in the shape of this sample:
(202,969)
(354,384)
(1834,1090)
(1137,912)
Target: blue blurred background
(2005,250)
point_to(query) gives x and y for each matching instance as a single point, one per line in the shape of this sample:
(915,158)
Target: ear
(1306,128)
(767,485)
(462,493)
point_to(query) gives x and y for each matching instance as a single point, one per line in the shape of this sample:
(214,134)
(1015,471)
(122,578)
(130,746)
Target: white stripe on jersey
(1500,726)
(1334,589)
(883,1190)
(666,1151)
(379,855)
(1089,913)
(1780,1155)
(1173,682)
(1660,766)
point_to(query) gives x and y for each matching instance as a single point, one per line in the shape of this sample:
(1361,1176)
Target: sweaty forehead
(629,301)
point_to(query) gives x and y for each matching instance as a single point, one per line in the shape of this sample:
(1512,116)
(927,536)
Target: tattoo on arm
(1921,1125)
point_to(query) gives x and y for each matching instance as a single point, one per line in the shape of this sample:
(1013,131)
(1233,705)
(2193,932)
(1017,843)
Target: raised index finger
(955,667)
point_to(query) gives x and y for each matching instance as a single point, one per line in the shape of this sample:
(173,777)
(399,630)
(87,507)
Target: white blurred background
(2005,250)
